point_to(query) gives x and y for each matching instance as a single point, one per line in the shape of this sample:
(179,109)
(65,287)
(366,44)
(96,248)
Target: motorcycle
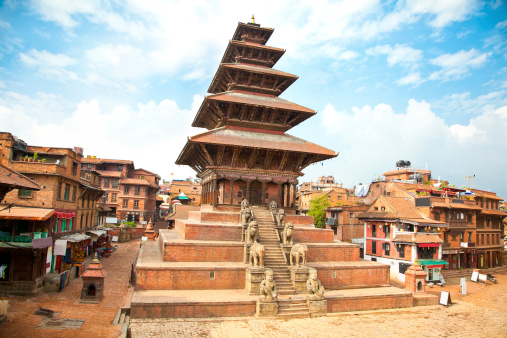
(492,278)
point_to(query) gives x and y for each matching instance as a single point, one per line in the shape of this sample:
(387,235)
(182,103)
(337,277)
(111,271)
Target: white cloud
(403,55)
(411,79)
(151,134)
(49,65)
(456,66)
(377,137)
(471,106)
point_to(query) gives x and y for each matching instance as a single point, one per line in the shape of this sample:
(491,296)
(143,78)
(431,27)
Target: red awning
(429,245)
(434,266)
(66,215)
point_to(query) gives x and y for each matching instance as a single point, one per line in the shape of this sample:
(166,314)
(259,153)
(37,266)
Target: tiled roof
(107,173)
(493,212)
(259,100)
(15,180)
(104,160)
(245,138)
(257,69)
(26,213)
(418,238)
(377,215)
(136,181)
(485,194)
(454,206)
(277,52)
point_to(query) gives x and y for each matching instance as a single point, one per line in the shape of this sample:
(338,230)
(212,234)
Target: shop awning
(67,215)
(26,213)
(96,234)
(432,263)
(429,245)
(74,238)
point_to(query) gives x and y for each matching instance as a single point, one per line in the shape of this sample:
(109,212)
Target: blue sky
(417,80)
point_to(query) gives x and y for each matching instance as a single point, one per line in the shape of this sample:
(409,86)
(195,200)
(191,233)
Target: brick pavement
(99,317)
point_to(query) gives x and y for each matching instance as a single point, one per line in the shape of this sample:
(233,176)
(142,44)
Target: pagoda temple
(246,152)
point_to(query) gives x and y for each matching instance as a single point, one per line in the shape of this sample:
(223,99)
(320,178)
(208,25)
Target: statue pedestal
(246,253)
(266,309)
(253,279)
(317,308)
(299,276)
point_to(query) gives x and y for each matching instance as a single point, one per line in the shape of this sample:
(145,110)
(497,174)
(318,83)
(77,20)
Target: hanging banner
(49,258)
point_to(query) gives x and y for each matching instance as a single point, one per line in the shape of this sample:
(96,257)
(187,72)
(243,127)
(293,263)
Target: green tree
(318,210)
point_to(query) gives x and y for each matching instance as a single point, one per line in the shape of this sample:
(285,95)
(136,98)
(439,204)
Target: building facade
(130,193)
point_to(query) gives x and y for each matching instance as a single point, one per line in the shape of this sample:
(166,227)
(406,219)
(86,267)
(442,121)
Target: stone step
(291,315)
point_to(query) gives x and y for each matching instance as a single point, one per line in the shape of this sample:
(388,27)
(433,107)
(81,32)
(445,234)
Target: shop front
(433,267)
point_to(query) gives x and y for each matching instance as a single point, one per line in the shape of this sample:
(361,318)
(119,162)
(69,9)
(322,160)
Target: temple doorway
(91,291)
(255,197)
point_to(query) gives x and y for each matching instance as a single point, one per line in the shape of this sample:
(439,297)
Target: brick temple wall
(313,235)
(208,232)
(192,310)
(190,278)
(360,303)
(202,252)
(332,253)
(333,277)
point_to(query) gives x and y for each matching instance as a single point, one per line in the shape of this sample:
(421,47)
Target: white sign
(475,276)
(49,258)
(483,278)
(111,220)
(115,239)
(144,238)
(463,286)
(445,298)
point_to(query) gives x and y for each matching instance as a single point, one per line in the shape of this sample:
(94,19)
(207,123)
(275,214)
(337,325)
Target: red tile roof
(105,160)
(418,238)
(15,180)
(493,212)
(243,138)
(257,69)
(136,181)
(259,100)
(26,213)
(107,173)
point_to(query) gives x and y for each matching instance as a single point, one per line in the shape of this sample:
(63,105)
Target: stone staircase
(274,258)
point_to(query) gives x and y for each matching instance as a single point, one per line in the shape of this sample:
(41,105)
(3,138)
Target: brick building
(396,233)
(473,238)
(191,189)
(65,204)
(129,192)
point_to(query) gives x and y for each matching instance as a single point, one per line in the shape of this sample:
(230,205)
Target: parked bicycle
(492,278)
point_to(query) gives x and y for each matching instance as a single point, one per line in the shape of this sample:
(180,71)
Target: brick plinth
(313,235)
(202,252)
(208,232)
(351,275)
(361,303)
(299,221)
(192,310)
(332,252)
(214,217)
(190,278)
(425,299)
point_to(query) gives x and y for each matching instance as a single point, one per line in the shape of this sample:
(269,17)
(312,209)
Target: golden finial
(253,19)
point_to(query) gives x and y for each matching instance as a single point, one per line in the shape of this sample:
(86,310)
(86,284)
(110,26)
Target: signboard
(144,238)
(38,243)
(112,220)
(445,298)
(483,278)
(475,276)
(463,286)
(115,239)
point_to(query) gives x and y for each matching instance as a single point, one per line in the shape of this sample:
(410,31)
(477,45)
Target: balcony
(467,244)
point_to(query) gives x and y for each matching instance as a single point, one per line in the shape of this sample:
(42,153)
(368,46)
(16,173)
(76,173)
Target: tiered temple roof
(247,120)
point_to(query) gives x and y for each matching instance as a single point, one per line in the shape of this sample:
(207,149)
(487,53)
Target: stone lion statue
(298,255)
(246,216)
(288,234)
(252,233)
(314,287)
(280,218)
(268,289)
(257,255)
(272,207)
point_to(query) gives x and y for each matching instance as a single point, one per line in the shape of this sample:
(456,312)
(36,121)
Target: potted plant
(26,158)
